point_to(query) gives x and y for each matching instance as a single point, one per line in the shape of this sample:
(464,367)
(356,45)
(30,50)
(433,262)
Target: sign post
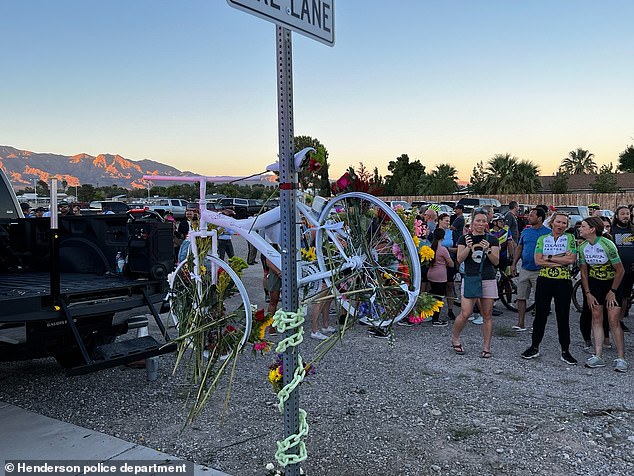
(316,20)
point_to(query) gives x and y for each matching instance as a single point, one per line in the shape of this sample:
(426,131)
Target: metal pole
(54,246)
(288,185)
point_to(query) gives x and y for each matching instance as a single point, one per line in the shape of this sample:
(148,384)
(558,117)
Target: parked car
(607,213)
(243,207)
(479,202)
(112,205)
(175,205)
(576,213)
(217,207)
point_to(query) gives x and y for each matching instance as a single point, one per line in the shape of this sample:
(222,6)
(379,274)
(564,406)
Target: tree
(579,161)
(626,159)
(605,181)
(405,176)
(560,182)
(478,178)
(527,177)
(443,180)
(42,188)
(505,174)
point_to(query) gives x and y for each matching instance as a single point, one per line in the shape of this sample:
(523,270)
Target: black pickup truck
(60,289)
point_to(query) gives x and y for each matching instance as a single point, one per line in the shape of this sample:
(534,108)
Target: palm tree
(443,180)
(526,177)
(579,161)
(500,174)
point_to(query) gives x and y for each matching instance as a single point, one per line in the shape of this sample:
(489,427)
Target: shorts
(599,289)
(273,282)
(526,281)
(489,288)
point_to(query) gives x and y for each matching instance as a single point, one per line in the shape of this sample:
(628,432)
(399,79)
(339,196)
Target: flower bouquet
(210,329)
(258,332)
(426,306)
(276,373)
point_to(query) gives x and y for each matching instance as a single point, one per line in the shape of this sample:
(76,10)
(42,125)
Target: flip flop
(485,354)
(458,349)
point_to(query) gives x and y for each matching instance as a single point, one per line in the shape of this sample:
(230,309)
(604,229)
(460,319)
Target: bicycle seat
(297,161)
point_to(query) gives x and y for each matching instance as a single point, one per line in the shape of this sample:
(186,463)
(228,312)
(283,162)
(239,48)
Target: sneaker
(569,359)
(588,348)
(594,362)
(439,323)
(318,335)
(473,316)
(496,312)
(451,315)
(620,365)
(378,333)
(478,320)
(530,353)
(625,329)
(404,323)
(328,330)
(518,328)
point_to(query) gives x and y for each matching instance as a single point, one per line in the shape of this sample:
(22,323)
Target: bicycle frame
(267,223)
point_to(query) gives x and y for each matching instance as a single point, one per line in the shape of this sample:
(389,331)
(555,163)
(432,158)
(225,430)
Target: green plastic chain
(282,321)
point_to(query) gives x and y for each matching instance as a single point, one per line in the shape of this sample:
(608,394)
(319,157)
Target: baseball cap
(25,206)
(63,203)
(552,208)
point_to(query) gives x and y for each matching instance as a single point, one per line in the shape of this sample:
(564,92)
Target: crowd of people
(550,250)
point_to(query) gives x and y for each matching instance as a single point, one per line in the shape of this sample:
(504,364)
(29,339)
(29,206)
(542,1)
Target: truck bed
(26,296)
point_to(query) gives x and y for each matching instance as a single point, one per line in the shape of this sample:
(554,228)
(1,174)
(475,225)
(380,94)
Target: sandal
(458,349)
(485,354)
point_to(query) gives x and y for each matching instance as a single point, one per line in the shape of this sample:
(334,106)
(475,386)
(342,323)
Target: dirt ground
(411,408)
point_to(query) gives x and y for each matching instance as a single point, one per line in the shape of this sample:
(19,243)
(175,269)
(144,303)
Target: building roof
(583,182)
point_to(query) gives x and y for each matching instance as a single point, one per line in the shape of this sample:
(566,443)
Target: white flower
(270,466)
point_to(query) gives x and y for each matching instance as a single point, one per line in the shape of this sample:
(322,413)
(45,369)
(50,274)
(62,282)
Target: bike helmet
(594,206)
(434,207)
(498,216)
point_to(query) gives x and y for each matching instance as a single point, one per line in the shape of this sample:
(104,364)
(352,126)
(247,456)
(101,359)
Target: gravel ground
(414,408)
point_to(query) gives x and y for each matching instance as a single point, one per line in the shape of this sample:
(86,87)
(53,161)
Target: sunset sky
(193,83)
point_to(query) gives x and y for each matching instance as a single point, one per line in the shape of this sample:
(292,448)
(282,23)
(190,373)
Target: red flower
(259,315)
(230,329)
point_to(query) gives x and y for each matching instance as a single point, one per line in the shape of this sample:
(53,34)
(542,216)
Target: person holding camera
(480,253)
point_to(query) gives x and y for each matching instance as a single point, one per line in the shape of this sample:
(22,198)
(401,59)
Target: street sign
(312,18)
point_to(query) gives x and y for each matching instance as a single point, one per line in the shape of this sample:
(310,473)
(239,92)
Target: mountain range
(24,168)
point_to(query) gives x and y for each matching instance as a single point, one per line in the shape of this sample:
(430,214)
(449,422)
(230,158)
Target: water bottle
(120,263)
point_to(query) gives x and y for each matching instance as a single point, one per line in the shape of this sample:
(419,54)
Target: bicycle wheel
(577,296)
(507,292)
(371,258)
(210,312)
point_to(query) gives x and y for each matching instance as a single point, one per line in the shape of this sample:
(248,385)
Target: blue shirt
(447,242)
(528,242)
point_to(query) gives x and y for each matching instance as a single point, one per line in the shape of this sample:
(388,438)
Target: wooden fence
(608,201)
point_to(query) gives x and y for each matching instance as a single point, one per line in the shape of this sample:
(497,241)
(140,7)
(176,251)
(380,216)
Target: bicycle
(365,255)
(507,292)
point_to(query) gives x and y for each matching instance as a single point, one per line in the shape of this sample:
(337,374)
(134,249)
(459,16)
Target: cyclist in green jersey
(601,275)
(555,253)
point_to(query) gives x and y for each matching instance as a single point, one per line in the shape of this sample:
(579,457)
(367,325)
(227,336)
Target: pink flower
(418,228)
(396,251)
